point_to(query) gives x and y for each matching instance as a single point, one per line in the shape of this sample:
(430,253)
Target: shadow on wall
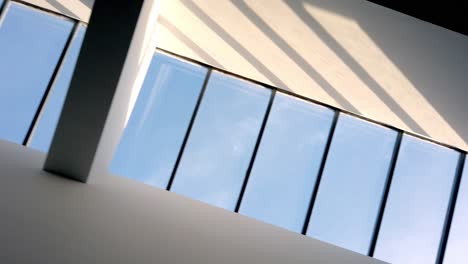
(251,58)
(188,42)
(293,54)
(239,47)
(281,43)
(415,51)
(353,65)
(430,62)
(58,4)
(438,77)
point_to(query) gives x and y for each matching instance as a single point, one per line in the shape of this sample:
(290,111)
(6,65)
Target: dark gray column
(111,52)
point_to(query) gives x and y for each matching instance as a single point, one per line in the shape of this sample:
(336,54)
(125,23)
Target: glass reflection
(352,184)
(152,139)
(31,43)
(222,140)
(285,169)
(457,244)
(43,133)
(417,203)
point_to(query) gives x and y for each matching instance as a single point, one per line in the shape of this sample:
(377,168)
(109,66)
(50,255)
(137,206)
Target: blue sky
(287,162)
(417,203)
(30,46)
(159,121)
(456,252)
(222,140)
(352,184)
(221,143)
(42,134)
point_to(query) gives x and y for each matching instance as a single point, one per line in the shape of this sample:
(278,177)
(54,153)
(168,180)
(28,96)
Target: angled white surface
(49,219)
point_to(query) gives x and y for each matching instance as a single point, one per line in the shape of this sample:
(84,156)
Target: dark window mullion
(51,84)
(3,9)
(254,154)
(320,173)
(451,209)
(383,203)
(189,129)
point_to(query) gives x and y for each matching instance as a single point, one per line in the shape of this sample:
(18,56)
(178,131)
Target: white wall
(352,54)
(78,9)
(49,219)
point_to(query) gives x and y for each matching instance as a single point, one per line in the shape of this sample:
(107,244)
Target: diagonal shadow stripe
(233,43)
(188,42)
(294,55)
(382,94)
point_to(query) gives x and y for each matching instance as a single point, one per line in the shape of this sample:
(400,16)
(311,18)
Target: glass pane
(287,163)
(352,184)
(222,140)
(457,245)
(44,131)
(31,43)
(417,203)
(152,139)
